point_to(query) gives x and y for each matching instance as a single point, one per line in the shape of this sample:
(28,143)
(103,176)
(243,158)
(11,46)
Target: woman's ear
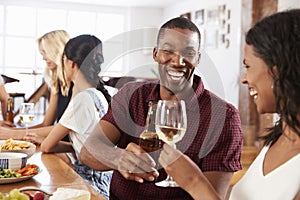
(275,71)
(73,65)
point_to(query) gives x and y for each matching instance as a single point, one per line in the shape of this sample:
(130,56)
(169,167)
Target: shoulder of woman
(98,93)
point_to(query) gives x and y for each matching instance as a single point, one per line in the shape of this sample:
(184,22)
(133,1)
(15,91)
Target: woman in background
(272,59)
(3,99)
(82,61)
(51,46)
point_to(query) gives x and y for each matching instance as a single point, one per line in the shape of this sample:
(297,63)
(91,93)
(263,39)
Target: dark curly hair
(86,52)
(276,40)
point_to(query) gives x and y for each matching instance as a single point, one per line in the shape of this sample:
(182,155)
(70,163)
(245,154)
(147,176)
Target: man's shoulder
(215,99)
(206,96)
(139,86)
(136,93)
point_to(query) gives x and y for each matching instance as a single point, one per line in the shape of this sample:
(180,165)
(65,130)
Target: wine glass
(27,114)
(170,125)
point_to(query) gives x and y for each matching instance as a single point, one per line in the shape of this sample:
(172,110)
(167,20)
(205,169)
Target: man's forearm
(100,162)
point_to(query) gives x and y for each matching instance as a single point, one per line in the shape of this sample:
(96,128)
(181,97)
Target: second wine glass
(27,114)
(170,125)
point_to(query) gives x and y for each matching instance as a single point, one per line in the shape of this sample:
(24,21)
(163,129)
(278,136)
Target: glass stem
(26,127)
(170,178)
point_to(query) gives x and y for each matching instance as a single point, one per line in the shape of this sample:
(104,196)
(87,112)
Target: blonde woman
(51,46)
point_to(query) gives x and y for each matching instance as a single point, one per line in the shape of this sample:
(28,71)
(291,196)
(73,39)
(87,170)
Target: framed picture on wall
(211,38)
(213,16)
(186,15)
(199,17)
(202,32)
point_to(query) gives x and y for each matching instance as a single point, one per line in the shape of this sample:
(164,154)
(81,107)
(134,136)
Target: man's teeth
(176,75)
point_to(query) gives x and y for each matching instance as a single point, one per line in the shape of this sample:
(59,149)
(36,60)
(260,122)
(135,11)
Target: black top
(62,104)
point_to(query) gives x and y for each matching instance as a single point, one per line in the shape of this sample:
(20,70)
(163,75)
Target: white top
(282,183)
(81,116)
(1,80)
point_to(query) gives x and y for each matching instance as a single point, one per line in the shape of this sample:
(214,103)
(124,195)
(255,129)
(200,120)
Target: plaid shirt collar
(155,94)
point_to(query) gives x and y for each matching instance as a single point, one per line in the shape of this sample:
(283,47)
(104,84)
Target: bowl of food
(12,160)
(17,146)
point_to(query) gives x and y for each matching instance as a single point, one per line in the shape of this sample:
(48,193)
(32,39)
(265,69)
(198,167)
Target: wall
(139,41)
(286,4)
(219,66)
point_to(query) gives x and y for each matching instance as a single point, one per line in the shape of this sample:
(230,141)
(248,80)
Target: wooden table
(54,173)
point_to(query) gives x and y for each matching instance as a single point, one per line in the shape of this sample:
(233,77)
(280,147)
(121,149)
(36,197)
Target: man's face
(177,55)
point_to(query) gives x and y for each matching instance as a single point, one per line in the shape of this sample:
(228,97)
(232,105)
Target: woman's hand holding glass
(27,114)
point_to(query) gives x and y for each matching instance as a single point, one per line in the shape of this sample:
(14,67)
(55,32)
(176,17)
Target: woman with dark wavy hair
(272,60)
(82,61)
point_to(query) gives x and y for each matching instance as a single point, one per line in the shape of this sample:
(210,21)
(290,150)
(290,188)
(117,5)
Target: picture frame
(228,14)
(228,28)
(199,17)
(211,38)
(202,32)
(213,16)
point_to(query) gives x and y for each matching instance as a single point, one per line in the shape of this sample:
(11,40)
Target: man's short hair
(179,22)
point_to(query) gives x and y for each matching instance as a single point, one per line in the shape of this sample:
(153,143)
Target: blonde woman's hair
(54,43)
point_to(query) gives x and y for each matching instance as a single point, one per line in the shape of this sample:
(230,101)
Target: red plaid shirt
(213,137)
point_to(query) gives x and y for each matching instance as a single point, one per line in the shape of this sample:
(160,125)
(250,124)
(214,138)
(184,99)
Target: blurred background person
(82,61)
(51,46)
(3,99)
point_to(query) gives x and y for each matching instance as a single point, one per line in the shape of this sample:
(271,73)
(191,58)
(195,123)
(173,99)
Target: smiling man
(213,138)
(177,54)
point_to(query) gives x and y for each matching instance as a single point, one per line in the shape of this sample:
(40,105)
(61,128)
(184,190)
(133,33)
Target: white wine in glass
(27,114)
(170,125)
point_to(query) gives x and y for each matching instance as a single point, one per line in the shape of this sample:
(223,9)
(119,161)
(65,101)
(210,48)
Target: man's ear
(199,57)
(154,53)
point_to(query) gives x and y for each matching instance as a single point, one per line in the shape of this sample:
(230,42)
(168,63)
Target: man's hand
(7,124)
(137,165)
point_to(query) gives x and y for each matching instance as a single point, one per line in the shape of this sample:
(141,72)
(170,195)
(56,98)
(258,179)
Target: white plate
(19,179)
(29,151)
(14,180)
